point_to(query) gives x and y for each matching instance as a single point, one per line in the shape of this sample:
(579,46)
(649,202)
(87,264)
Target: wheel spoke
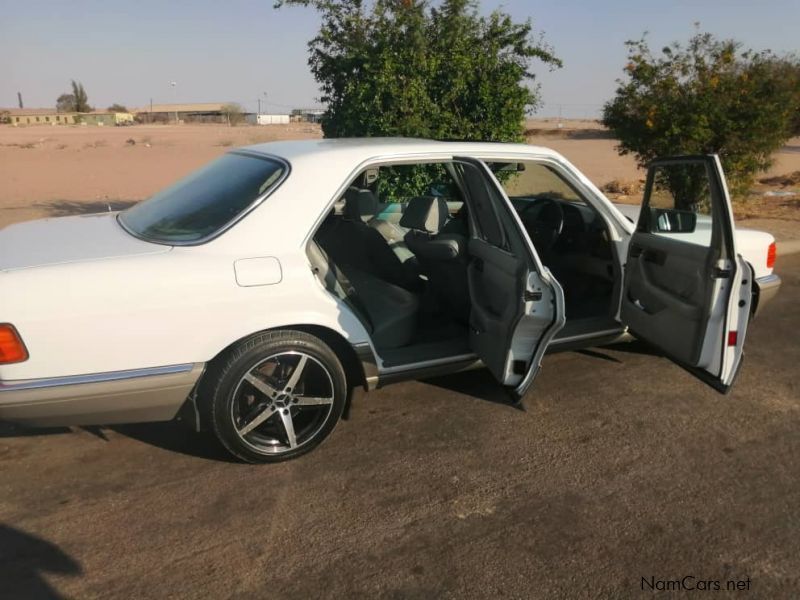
(312,401)
(263,416)
(261,385)
(296,374)
(288,425)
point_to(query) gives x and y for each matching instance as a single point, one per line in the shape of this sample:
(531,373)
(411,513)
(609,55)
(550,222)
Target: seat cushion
(392,310)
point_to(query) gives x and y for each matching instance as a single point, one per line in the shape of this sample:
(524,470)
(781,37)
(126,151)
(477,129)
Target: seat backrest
(425,213)
(350,242)
(359,204)
(442,256)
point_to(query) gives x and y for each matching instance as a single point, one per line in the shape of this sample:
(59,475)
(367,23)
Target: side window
(678,203)
(533,181)
(400,183)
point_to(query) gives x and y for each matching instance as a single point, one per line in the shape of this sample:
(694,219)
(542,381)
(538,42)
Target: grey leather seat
(388,311)
(350,242)
(442,256)
(394,235)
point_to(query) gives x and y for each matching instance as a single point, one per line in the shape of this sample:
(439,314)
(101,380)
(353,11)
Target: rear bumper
(765,290)
(101,399)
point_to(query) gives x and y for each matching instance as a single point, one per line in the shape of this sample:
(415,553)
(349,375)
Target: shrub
(709,96)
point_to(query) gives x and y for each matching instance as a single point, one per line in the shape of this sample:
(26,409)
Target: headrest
(425,213)
(359,203)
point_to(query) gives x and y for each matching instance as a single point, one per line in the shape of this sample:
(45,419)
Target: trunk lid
(68,240)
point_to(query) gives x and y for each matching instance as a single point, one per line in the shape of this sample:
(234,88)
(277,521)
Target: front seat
(442,256)
(351,242)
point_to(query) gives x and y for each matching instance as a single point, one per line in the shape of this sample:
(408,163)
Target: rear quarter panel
(180,307)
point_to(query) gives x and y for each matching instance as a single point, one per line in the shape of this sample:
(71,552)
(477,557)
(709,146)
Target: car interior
(401,261)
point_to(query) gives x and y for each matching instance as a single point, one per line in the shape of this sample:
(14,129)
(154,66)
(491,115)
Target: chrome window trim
(250,208)
(33,384)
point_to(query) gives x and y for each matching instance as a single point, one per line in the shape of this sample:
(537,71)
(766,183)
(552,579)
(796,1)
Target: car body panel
(54,241)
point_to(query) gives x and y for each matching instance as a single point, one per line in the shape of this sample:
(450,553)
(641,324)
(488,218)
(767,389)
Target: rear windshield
(205,202)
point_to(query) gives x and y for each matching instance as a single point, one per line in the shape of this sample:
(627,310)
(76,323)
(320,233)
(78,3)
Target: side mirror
(664,220)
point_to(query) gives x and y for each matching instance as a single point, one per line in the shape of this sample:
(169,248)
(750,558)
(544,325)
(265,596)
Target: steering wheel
(546,225)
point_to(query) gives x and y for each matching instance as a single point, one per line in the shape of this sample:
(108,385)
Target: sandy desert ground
(53,171)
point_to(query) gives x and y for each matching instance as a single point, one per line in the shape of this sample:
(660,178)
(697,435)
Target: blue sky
(238,50)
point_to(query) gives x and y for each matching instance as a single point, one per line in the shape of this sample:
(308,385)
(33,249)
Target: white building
(268,119)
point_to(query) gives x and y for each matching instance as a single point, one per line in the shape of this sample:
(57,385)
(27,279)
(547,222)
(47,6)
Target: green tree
(77,101)
(409,68)
(710,96)
(65,103)
(117,108)
(81,98)
(233,113)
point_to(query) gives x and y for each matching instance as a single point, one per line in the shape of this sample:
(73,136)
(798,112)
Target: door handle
(655,256)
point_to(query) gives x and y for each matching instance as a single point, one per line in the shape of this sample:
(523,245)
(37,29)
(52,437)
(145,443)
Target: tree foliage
(710,96)
(233,112)
(77,101)
(65,103)
(117,108)
(81,98)
(412,68)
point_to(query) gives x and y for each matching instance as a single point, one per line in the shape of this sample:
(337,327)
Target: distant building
(255,119)
(38,116)
(203,112)
(50,116)
(307,115)
(106,118)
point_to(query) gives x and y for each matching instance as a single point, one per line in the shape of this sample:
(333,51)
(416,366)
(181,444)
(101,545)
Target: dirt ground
(45,170)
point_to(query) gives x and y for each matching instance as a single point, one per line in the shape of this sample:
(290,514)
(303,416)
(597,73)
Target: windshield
(205,202)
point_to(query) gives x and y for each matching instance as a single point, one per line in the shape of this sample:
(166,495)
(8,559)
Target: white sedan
(250,297)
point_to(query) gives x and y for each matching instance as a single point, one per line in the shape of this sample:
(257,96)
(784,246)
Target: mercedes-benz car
(251,296)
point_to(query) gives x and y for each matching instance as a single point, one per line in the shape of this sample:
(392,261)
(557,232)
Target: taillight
(772,254)
(12,350)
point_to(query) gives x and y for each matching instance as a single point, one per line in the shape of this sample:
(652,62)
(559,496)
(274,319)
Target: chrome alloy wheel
(282,402)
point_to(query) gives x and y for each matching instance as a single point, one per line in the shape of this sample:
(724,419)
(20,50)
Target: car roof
(365,148)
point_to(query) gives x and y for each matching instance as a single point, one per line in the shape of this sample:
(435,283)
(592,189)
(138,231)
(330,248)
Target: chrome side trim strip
(33,384)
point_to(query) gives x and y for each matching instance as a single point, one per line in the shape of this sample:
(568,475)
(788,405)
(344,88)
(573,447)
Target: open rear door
(517,306)
(686,289)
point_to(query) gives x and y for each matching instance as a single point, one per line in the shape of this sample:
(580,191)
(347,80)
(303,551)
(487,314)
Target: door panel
(685,286)
(666,293)
(496,281)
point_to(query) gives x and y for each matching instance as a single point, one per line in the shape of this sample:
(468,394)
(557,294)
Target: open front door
(686,289)
(517,306)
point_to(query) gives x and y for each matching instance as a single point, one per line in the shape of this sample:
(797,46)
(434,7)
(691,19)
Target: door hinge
(720,273)
(529,296)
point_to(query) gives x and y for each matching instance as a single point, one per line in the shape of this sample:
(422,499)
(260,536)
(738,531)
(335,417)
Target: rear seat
(388,310)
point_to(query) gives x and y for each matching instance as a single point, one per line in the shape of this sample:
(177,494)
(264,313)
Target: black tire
(239,386)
